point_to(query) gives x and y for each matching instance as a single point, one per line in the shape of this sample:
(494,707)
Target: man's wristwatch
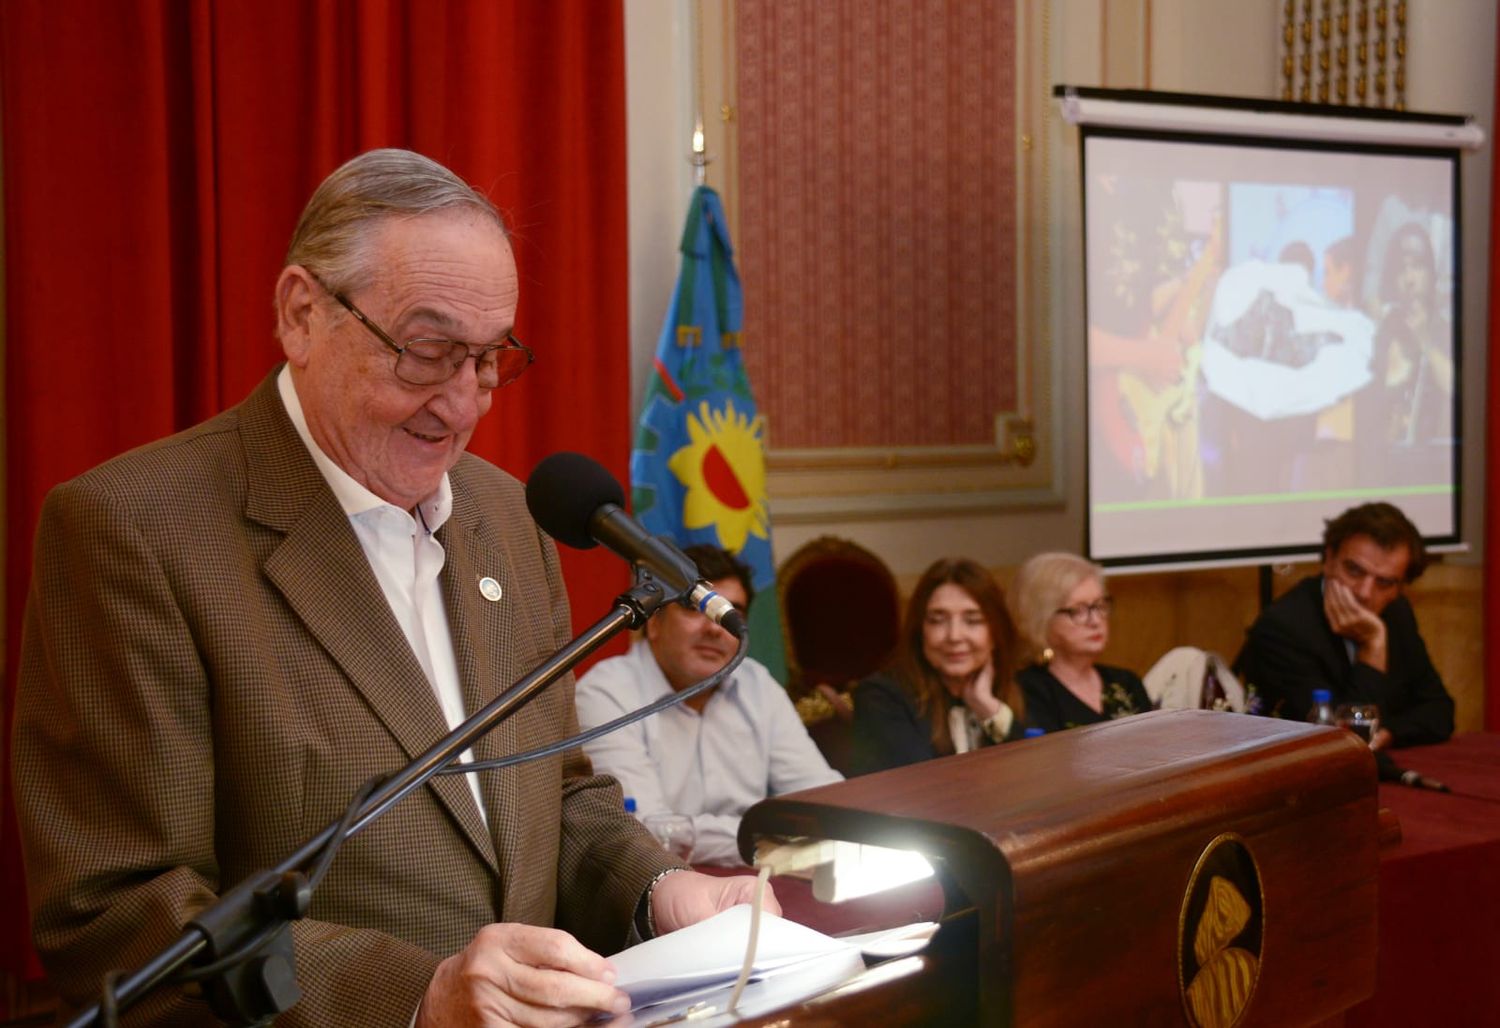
(645,921)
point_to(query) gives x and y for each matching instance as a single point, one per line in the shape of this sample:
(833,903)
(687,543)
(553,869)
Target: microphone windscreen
(564,492)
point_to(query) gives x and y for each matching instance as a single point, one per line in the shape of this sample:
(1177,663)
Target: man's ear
(296,296)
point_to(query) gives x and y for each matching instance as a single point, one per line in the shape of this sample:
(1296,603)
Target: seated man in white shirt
(718,753)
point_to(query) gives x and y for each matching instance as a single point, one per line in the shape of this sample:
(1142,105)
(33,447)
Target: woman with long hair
(951,687)
(1062,611)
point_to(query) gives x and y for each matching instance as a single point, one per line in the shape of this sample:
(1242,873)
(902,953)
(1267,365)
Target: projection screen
(1272,338)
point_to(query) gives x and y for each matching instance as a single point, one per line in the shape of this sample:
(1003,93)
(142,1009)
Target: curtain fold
(1492,462)
(156,156)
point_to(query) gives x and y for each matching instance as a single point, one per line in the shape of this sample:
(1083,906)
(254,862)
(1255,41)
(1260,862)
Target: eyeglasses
(1082,613)
(427,362)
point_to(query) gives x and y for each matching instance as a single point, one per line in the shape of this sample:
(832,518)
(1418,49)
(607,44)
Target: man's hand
(687,897)
(979,692)
(1352,620)
(516,974)
(1381,739)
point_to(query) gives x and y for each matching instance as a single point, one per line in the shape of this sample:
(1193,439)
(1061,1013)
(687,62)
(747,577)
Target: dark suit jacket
(209,670)
(1292,650)
(888,731)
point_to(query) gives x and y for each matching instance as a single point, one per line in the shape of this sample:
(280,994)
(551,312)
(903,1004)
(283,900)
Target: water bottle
(1322,708)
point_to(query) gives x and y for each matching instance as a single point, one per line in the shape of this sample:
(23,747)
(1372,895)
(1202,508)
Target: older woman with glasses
(1062,613)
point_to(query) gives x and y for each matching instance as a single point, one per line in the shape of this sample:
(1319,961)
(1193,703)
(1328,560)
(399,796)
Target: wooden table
(1438,905)
(1078,856)
(1439,952)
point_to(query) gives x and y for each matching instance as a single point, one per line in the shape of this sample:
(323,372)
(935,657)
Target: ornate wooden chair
(841,617)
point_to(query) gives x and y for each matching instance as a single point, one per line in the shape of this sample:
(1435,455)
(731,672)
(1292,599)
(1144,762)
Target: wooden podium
(1177,867)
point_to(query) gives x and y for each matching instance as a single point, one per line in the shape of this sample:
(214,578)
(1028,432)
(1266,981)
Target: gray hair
(1041,586)
(377,184)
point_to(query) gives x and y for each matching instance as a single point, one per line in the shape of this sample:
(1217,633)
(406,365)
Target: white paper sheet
(707,956)
(711,952)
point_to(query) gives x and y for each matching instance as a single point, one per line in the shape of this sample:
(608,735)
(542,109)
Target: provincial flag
(698,470)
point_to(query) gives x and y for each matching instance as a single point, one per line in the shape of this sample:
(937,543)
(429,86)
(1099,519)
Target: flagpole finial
(699,158)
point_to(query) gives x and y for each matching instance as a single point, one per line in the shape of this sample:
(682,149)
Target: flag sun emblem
(723,470)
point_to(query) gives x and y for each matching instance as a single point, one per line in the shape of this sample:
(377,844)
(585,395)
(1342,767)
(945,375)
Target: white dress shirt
(407,561)
(747,744)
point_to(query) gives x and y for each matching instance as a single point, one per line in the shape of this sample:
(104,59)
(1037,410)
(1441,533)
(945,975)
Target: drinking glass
(1363,719)
(673,831)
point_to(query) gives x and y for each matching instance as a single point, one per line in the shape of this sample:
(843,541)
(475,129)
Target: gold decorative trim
(1217,996)
(1344,52)
(1017,446)
(814,708)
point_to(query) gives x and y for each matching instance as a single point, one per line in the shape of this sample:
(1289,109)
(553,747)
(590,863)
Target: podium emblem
(1219,934)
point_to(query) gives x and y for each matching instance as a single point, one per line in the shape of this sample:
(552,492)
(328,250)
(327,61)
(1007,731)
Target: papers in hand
(709,954)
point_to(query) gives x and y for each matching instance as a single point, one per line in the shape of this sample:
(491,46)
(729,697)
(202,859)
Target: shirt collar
(354,498)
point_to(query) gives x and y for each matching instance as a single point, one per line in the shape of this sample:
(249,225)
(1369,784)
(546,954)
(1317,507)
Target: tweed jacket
(210,669)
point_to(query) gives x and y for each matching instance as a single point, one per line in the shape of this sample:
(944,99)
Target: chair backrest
(840,613)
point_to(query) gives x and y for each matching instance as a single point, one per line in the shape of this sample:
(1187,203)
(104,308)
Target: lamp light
(843,870)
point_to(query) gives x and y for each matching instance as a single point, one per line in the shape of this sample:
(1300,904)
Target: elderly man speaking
(230,629)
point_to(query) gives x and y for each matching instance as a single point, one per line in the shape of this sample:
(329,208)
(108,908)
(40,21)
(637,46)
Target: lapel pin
(489,588)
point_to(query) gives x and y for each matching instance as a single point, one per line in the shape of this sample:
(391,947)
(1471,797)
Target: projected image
(1270,338)
(1411,293)
(1286,347)
(1161,244)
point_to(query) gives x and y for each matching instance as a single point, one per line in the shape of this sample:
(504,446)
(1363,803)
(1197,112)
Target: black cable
(264,937)
(287,885)
(325,857)
(653,707)
(252,946)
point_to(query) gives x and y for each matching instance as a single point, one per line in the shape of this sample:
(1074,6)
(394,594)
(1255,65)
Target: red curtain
(1492,464)
(156,156)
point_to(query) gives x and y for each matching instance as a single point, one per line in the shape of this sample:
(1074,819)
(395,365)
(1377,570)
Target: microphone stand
(247,931)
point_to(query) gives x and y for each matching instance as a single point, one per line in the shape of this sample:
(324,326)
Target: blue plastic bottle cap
(1322,696)
(630,804)
(1032,733)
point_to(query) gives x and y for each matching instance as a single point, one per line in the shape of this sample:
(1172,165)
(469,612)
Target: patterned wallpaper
(877,219)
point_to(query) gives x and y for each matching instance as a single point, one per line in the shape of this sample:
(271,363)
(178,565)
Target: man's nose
(711,632)
(462,399)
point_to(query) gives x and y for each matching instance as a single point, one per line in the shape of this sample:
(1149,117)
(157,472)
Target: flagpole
(699,158)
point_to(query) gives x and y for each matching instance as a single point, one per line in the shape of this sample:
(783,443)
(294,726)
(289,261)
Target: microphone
(1387,770)
(579,503)
(1421,781)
